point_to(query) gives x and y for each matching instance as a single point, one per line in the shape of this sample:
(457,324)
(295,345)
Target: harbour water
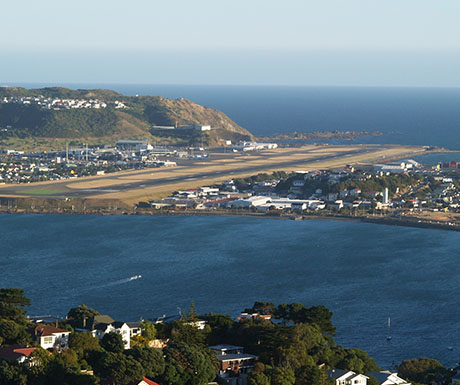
(364,273)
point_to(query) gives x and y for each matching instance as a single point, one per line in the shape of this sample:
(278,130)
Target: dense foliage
(353,181)
(294,348)
(13,322)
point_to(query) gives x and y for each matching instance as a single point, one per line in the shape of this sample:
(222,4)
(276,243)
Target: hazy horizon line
(46,84)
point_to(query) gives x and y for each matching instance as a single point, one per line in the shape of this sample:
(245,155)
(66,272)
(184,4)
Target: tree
(187,333)
(312,375)
(9,330)
(83,343)
(119,368)
(282,376)
(262,308)
(12,302)
(12,374)
(61,368)
(41,358)
(139,341)
(321,316)
(258,378)
(191,365)
(192,316)
(282,312)
(148,330)
(79,315)
(423,370)
(221,327)
(113,342)
(357,361)
(151,360)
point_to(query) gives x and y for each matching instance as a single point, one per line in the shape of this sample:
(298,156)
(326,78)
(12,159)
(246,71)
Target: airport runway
(191,168)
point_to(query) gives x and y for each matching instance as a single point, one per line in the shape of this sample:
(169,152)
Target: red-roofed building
(144,381)
(50,337)
(18,353)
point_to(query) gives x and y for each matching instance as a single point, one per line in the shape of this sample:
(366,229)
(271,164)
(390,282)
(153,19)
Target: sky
(254,42)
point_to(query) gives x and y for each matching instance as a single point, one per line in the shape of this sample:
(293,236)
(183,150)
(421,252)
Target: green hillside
(32,121)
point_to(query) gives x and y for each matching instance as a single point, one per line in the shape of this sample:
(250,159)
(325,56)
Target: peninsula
(97,151)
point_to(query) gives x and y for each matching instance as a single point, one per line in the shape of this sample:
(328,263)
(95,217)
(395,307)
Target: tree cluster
(294,348)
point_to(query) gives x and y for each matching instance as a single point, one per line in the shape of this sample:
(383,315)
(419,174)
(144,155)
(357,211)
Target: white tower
(385,196)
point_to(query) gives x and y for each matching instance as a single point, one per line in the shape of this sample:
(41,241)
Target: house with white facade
(20,354)
(134,328)
(346,377)
(385,377)
(50,337)
(102,324)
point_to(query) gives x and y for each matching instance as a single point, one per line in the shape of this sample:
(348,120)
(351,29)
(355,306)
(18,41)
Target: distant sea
(424,116)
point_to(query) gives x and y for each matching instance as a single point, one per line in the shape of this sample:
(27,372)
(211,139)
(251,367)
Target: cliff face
(135,119)
(163,111)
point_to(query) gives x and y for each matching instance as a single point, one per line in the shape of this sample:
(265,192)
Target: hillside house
(50,337)
(20,354)
(346,377)
(386,377)
(102,324)
(234,364)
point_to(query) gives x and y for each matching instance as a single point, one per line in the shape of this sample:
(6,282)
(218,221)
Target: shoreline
(377,220)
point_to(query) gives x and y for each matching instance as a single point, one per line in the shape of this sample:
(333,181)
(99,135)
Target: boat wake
(119,282)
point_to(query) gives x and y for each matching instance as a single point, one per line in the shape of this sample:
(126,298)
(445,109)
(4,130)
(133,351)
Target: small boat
(389,325)
(135,277)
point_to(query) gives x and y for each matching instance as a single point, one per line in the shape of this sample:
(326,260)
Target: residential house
(386,377)
(245,316)
(144,381)
(50,337)
(234,364)
(102,324)
(346,377)
(134,328)
(17,353)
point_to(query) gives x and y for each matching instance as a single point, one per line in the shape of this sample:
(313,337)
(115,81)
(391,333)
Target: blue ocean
(364,273)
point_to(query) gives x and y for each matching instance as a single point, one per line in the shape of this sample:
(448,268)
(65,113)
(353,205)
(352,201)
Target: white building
(346,377)
(253,201)
(197,127)
(251,146)
(134,145)
(20,354)
(50,337)
(386,377)
(386,199)
(102,324)
(118,327)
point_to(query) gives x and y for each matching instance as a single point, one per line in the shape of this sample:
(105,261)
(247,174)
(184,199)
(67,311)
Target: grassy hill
(105,125)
